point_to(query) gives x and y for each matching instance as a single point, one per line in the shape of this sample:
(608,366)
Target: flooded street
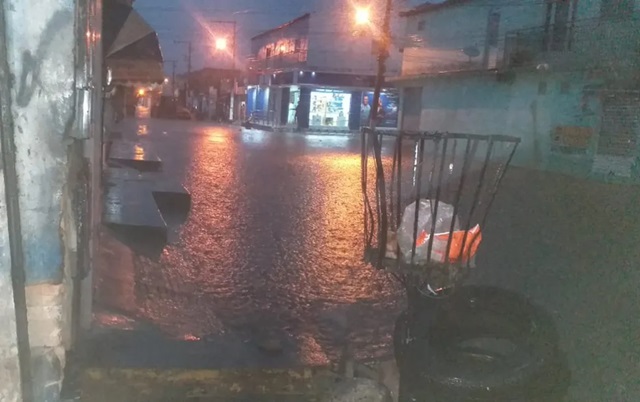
(272,253)
(272,246)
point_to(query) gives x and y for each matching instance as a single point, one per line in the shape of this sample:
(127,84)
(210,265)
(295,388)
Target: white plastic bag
(426,212)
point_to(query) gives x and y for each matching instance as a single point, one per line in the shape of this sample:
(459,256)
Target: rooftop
(431,6)
(286,24)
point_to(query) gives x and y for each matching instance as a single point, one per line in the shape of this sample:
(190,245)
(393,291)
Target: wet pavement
(272,249)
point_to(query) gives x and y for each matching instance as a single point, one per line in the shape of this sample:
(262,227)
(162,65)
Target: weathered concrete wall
(9,363)
(41,59)
(531,107)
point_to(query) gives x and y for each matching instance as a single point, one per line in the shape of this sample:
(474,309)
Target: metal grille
(460,171)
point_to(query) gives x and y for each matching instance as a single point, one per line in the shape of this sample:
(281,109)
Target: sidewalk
(306,131)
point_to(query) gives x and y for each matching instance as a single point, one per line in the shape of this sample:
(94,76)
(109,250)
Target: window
(268,52)
(616,9)
(558,22)
(421,25)
(493,29)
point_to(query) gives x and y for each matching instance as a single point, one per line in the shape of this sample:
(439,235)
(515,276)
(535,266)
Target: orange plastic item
(456,254)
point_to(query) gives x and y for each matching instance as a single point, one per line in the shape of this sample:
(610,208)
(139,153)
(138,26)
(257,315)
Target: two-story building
(318,71)
(561,74)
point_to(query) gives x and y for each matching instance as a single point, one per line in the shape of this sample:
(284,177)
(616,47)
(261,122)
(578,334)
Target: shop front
(387,109)
(329,108)
(319,107)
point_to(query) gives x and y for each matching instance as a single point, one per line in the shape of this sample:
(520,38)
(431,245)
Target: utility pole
(173,76)
(233,65)
(188,80)
(232,105)
(384,45)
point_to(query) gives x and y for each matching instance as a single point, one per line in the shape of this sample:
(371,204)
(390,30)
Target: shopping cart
(408,180)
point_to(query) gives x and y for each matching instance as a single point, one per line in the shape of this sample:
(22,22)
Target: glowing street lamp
(221,44)
(363,16)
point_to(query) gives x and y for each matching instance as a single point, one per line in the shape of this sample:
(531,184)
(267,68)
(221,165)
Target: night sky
(178,20)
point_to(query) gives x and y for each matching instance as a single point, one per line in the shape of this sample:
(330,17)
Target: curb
(351,133)
(121,384)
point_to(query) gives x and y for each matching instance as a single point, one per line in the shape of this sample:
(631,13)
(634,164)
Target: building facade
(318,72)
(562,75)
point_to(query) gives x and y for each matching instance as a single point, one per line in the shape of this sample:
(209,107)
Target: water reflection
(272,248)
(143,130)
(139,153)
(254,136)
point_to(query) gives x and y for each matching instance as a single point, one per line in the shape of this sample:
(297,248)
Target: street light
(363,16)
(221,44)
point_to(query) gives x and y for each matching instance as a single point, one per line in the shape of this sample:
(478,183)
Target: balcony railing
(280,61)
(584,44)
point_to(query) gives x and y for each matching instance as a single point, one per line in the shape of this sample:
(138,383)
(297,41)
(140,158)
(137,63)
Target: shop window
(330,109)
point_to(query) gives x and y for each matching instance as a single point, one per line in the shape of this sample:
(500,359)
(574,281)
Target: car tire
(480,344)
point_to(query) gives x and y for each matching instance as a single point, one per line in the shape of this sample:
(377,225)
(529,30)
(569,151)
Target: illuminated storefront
(387,109)
(329,108)
(315,100)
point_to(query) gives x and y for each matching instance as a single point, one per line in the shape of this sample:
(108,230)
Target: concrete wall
(41,59)
(9,362)
(443,33)
(51,121)
(530,107)
(446,31)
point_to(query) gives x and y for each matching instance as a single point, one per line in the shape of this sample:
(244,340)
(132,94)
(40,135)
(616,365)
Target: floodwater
(272,248)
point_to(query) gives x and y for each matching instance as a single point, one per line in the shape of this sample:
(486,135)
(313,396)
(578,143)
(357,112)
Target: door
(412,108)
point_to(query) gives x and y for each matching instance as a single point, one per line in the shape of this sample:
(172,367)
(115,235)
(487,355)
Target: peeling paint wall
(9,363)
(42,60)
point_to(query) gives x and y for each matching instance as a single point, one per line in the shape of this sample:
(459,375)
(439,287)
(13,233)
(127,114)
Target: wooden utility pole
(234,45)
(189,52)
(384,44)
(173,76)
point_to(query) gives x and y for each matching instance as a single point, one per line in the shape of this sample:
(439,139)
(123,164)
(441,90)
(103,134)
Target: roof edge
(279,27)
(429,7)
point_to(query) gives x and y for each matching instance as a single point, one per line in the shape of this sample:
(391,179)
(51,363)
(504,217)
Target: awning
(134,29)
(129,72)
(131,48)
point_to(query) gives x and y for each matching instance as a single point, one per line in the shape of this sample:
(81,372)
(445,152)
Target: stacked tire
(479,344)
